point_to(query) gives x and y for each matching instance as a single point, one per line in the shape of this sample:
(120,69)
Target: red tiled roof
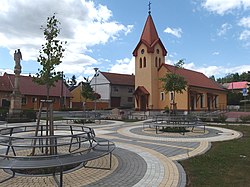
(28,87)
(119,79)
(237,85)
(150,37)
(141,90)
(195,78)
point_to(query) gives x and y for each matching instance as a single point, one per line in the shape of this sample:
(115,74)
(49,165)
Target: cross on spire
(149,7)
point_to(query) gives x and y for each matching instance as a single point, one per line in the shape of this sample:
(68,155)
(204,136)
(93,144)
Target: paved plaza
(142,157)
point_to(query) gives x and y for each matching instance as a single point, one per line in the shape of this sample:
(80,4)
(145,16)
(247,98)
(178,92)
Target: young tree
(73,80)
(50,55)
(173,82)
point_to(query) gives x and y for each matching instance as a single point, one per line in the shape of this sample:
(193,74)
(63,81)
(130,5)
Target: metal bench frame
(11,139)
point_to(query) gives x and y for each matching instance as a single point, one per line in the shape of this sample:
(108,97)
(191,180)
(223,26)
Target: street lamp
(96,74)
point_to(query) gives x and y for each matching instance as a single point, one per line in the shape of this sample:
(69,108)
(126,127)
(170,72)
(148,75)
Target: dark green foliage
(173,82)
(73,80)
(245,119)
(29,114)
(235,77)
(222,118)
(50,55)
(87,91)
(3,113)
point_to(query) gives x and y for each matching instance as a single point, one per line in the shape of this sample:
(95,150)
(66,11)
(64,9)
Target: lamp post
(96,74)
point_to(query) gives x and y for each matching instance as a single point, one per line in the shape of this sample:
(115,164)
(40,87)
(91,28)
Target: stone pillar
(16,97)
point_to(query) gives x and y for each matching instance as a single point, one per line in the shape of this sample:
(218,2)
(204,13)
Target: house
(32,93)
(237,86)
(201,92)
(116,89)
(78,101)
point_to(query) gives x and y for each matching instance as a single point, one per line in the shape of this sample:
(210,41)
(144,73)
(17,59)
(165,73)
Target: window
(130,99)
(216,101)
(144,62)
(24,101)
(115,89)
(159,62)
(156,61)
(140,63)
(142,51)
(202,101)
(162,96)
(130,90)
(171,96)
(157,51)
(34,99)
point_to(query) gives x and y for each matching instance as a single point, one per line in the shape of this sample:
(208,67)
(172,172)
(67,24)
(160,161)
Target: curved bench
(88,148)
(180,122)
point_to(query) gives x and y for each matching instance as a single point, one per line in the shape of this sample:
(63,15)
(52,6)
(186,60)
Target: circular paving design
(142,158)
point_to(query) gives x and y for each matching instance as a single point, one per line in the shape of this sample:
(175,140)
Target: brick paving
(142,158)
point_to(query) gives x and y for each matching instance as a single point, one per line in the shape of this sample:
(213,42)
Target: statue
(18,57)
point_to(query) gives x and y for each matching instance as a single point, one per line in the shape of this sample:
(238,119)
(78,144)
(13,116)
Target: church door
(143,103)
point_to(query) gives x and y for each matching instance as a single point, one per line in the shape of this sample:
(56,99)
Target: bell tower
(149,56)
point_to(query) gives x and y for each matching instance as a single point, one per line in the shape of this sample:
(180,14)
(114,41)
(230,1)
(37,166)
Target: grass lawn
(225,164)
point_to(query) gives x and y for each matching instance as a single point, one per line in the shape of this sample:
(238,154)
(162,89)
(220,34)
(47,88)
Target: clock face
(142,51)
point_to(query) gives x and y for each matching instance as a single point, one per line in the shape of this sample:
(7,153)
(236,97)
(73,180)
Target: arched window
(144,62)
(156,61)
(159,62)
(140,62)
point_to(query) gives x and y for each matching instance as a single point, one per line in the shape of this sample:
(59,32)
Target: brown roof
(195,78)
(150,37)
(28,87)
(119,79)
(141,90)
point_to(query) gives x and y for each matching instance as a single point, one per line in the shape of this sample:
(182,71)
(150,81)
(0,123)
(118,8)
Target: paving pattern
(142,157)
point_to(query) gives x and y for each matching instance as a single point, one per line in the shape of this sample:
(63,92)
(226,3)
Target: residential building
(116,89)
(237,86)
(32,93)
(201,92)
(79,102)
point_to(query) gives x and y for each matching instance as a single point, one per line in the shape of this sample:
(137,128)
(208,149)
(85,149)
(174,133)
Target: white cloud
(124,66)
(224,6)
(245,35)
(84,24)
(224,28)
(174,31)
(245,22)
(216,53)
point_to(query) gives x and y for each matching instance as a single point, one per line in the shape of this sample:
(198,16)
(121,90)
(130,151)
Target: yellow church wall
(182,99)
(148,76)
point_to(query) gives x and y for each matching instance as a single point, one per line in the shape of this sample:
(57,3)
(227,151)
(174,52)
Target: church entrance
(141,98)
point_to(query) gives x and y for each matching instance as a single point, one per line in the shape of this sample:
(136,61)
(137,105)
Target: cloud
(84,24)
(174,31)
(216,53)
(224,6)
(245,35)
(223,29)
(124,66)
(245,22)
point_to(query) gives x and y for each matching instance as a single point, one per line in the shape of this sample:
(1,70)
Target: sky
(212,36)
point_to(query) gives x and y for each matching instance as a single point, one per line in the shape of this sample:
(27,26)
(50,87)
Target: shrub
(3,114)
(245,119)
(30,114)
(222,118)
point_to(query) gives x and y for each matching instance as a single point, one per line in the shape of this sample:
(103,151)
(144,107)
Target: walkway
(142,158)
